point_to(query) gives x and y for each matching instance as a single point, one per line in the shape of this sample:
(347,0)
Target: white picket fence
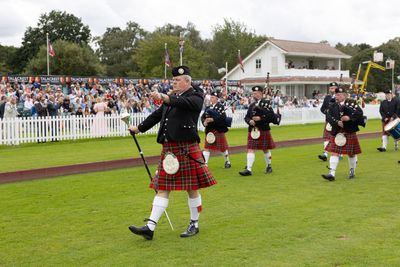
(27,130)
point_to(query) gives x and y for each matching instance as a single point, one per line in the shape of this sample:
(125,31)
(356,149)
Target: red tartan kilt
(220,143)
(326,135)
(383,129)
(352,146)
(191,174)
(263,143)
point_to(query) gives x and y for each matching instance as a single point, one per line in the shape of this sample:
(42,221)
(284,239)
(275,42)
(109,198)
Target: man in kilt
(344,115)
(178,116)
(213,120)
(389,111)
(329,98)
(259,115)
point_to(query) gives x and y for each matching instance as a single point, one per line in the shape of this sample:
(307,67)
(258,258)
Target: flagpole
(165,63)
(226,77)
(240,62)
(47,54)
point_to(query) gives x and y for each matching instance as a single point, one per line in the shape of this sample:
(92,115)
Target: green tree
(351,50)
(150,56)
(175,30)
(60,26)
(70,59)
(377,80)
(116,47)
(6,55)
(227,40)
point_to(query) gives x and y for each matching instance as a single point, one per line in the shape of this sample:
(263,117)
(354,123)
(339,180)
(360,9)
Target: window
(258,65)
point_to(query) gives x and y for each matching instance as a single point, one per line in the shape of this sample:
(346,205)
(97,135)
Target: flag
(52,52)
(240,61)
(168,62)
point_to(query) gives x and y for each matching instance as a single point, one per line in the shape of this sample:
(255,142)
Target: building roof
(307,48)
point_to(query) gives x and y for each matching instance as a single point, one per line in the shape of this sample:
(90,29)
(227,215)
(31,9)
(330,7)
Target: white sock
(333,162)
(396,144)
(226,155)
(159,206)
(385,140)
(353,163)
(325,152)
(206,155)
(268,157)
(195,209)
(250,160)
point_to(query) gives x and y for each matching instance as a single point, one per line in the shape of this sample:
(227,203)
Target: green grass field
(291,217)
(31,156)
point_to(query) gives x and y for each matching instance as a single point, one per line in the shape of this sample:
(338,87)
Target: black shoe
(323,157)
(246,172)
(381,149)
(328,177)
(143,231)
(227,165)
(268,169)
(351,174)
(191,230)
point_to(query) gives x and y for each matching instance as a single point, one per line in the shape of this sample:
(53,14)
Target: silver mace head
(125,117)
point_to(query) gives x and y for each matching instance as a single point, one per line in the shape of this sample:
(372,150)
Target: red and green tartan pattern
(191,174)
(220,144)
(352,146)
(265,141)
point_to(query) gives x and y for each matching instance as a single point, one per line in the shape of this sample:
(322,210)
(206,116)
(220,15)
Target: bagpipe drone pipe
(216,113)
(266,112)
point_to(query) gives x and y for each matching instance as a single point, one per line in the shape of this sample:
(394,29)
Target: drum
(393,128)
(340,139)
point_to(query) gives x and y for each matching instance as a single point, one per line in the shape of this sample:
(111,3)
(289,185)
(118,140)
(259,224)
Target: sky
(346,21)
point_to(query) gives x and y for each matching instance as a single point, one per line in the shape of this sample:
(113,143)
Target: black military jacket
(329,99)
(178,119)
(350,108)
(216,112)
(267,116)
(388,109)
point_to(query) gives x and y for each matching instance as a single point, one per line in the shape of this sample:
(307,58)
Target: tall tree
(150,56)
(351,50)
(175,30)
(116,46)
(6,55)
(227,40)
(70,59)
(60,26)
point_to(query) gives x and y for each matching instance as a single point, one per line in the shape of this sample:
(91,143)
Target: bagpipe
(352,109)
(268,90)
(264,110)
(216,112)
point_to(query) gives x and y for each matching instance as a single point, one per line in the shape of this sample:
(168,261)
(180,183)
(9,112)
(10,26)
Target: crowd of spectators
(33,99)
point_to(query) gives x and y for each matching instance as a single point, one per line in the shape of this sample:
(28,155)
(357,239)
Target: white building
(296,68)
